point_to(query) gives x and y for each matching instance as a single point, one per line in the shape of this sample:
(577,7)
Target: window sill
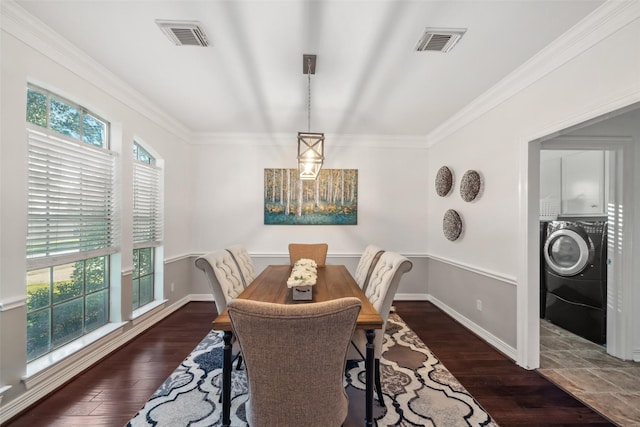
(146,311)
(67,354)
(3,389)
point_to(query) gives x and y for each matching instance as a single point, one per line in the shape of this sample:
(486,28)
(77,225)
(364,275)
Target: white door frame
(620,296)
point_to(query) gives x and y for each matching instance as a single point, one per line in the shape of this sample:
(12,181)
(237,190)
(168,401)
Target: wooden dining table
(333,282)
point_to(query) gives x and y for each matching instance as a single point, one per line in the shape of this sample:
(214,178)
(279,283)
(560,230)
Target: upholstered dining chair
(244,263)
(224,277)
(314,251)
(225,282)
(381,290)
(367,263)
(295,358)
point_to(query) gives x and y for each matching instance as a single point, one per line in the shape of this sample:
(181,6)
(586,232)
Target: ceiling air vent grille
(183,33)
(439,40)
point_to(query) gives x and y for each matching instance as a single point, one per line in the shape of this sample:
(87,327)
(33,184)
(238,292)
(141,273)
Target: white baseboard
(491,339)
(411,297)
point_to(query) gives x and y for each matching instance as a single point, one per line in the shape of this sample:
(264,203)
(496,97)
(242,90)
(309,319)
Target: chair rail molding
(474,269)
(13,302)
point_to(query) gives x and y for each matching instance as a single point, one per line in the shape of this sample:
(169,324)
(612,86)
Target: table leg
(368,365)
(226,379)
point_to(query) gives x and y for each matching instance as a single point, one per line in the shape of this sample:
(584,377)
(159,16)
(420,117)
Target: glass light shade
(310,154)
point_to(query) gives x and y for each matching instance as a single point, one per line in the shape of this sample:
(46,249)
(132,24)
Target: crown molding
(610,17)
(40,37)
(289,139)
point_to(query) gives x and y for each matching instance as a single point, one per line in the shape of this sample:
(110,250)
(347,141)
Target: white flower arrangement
(303,273)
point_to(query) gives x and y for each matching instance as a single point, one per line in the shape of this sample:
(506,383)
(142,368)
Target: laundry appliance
(575,276)
(543,282)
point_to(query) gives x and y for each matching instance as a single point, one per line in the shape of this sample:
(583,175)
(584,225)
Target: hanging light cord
(309,95)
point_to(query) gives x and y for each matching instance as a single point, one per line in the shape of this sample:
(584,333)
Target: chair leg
(378,383)
(239,364)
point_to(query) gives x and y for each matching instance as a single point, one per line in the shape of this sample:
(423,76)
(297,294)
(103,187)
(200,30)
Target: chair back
(244,263)
(223,275)
(367,263)
(314,251)
(381,290)
(295,358)
(384,281)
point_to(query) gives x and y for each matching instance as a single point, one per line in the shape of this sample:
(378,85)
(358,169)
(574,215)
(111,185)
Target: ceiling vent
(439,39)
(183,33)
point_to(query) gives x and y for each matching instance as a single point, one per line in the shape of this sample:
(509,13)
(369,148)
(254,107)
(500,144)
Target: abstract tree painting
(332,199)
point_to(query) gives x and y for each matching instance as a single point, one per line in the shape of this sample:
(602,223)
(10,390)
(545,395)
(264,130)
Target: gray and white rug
(418,389)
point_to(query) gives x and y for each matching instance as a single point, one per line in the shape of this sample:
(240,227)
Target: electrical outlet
(479,304)
(173,286)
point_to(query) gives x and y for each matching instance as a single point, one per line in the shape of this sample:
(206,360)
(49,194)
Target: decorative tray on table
(303,276)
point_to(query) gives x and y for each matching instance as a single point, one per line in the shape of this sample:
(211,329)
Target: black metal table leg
(226,380)
(368,365)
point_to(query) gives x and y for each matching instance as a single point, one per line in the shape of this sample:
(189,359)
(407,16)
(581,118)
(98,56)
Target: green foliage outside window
(143,276)
(142,155)
(65,117)
(36,108)
(65,302)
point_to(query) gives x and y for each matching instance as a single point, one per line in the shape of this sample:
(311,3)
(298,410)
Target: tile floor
(609,385)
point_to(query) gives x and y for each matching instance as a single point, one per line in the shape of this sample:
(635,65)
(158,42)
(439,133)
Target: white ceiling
(368,81)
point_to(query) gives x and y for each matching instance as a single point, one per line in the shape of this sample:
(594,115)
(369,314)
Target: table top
(334,281)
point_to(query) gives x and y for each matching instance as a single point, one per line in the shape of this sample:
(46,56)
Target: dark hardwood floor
(114,389)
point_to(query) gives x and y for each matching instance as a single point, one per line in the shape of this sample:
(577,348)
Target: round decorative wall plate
(452,225)
(444,181)
(470,185)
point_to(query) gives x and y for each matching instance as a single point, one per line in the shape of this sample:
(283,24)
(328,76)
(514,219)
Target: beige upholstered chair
(381,290)
(244,263)
(314,251)
(295,359)
(224,277)
(367,263)
(225,282)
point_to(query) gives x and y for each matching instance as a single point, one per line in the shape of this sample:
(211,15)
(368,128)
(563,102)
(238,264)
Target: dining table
(333,282)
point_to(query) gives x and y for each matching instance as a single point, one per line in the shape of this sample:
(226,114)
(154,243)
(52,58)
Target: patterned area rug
(418,389)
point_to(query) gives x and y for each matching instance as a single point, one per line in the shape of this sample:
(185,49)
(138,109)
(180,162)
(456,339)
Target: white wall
(229,178)
(229,181)
(493,137)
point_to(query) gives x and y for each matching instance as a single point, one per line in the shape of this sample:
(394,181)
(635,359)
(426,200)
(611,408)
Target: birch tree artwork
(332,199)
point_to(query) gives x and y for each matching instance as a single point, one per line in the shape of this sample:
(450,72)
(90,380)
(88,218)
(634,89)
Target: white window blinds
(147,211)
(72,203)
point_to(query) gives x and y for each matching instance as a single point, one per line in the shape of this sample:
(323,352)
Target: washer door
(566,252)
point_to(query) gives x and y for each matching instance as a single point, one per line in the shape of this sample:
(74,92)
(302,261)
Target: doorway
(620,130)
(617,136)
(617,205)
(574,196)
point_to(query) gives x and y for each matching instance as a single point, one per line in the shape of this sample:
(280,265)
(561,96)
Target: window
(47,110)
(147,224)
(72,222)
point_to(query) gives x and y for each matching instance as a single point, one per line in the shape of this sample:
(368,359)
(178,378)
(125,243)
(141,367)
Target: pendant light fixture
(310,144)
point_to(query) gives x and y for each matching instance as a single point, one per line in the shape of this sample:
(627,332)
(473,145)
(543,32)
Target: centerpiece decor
(303,276)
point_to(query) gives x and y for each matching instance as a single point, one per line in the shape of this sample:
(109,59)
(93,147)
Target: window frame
(147,221)
(63,183)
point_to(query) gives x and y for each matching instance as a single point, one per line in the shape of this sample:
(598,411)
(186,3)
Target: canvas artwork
(332,199)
